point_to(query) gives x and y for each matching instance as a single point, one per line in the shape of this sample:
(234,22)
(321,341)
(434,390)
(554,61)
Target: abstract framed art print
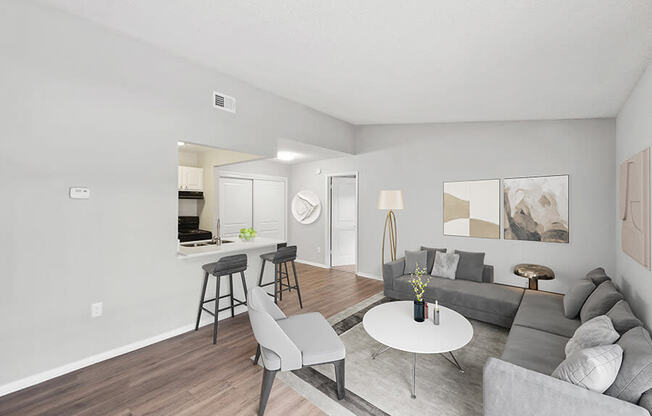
(472,208)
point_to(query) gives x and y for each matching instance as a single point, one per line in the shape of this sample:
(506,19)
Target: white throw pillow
(594,368)
(445,265)
(592,333)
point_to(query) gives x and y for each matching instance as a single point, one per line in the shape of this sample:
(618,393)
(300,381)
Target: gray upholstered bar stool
(280,259)
(226,266)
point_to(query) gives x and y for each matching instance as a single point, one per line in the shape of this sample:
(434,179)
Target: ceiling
(381,61)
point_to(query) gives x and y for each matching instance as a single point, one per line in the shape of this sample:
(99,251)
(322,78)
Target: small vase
(419,311)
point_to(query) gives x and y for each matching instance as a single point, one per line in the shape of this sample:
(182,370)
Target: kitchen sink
(203,243)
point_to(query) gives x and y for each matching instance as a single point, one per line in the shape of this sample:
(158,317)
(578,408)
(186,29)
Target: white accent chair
(290,343)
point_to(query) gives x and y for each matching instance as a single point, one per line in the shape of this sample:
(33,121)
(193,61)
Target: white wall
(634,133)
(418,158)
(86,107)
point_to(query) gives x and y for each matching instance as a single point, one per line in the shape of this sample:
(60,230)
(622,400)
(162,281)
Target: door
(343,221)
(194,178)
(236,206)
(269,208)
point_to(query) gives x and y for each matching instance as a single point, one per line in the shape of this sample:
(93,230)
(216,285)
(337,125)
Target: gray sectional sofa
(520,382)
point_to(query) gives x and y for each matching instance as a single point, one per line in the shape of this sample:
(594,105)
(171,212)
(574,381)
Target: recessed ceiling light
(286,156)
(180,143)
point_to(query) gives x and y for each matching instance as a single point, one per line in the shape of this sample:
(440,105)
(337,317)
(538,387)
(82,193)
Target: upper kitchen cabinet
(191,178)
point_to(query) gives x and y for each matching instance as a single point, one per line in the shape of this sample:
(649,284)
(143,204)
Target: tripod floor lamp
(390,200)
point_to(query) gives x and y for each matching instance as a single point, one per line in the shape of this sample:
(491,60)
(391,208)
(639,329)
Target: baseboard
(94,359)
(369,276)
(313,263)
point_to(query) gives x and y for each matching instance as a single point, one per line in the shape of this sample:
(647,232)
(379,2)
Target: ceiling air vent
(223,102)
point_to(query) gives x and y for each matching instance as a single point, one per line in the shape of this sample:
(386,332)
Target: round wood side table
(534,273)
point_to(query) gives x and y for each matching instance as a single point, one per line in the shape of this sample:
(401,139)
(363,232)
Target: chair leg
(201,300)
(339,377)
(244,286)
(287,276)
(217,307)
(262,269)
(296,282)
(231,290)
(276,291)
(266,388)
(257,355)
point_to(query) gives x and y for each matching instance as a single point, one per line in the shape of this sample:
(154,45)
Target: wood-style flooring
(187,374)
(347,268)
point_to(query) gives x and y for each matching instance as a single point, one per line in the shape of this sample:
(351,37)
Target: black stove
(189,230)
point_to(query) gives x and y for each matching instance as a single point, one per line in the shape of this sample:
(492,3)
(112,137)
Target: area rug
(382,386)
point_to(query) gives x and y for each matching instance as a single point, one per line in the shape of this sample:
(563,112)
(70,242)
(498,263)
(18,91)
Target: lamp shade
(391,199)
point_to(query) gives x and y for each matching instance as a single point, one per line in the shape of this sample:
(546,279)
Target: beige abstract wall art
(472,208)
(536,209)
(635,207)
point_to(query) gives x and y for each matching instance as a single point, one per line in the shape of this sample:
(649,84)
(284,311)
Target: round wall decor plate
(306,207)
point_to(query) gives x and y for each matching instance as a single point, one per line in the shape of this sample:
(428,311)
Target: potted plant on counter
(419,287)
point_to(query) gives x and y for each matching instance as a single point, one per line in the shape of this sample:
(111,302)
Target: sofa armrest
(510,390)
(488,274)
(391,271)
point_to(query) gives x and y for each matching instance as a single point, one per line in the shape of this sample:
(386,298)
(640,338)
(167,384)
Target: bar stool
(226,266)
(280,258)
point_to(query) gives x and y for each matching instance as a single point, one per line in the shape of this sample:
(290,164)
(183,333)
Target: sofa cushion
(470,266)
(576,296)
(445,265)
(597,276)
(535,350)
(545,311)
(635,375)
(430,258)
(603,298)
(414,259)
(592,333)
(594,368)
(622,317)
(489,297)
(646,401)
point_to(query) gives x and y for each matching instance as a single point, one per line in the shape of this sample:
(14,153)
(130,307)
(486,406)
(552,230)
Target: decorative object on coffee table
(419,288)
(472,208)
(534,273)
(390,200)
(536,208)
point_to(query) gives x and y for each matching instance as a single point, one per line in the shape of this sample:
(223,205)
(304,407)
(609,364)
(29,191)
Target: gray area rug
(382,386)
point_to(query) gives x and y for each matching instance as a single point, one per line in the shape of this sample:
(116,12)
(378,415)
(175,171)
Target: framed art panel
(472,208)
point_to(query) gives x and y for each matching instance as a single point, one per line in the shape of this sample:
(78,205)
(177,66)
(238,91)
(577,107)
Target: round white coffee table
(393,325)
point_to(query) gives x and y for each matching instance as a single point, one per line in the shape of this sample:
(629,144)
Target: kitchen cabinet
(190,178)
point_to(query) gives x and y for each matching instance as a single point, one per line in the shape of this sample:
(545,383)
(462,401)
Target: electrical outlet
(318,249)
(96,310)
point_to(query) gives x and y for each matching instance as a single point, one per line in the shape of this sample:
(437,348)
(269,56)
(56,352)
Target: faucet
(217,239)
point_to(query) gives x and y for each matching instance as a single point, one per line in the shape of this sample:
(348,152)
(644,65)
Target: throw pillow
(431,256)
(646,401)
(597,276)
(603,298)
(576,296)
(414,259)
(635,375)
(470,266)
(594,368)
(622,317)
(595,332)
(445,265)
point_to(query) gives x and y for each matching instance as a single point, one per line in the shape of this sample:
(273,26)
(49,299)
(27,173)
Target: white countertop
(227,248)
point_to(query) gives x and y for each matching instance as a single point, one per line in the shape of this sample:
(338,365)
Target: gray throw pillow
(470,266)
(603,298)
(594,368)
(414,259)
(646,401)
(576,296)
(597,276)
(635,375)
(431,256)
(622,317)
(445,265)
(592,333)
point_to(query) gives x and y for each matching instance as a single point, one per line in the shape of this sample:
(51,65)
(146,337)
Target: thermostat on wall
(80,193)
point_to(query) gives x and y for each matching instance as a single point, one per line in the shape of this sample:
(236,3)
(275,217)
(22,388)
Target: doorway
(343,221)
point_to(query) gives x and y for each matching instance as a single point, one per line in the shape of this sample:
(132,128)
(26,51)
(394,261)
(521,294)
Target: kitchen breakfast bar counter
(192,258)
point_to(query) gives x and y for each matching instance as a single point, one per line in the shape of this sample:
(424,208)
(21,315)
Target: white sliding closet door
(269,208)
(236,205)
